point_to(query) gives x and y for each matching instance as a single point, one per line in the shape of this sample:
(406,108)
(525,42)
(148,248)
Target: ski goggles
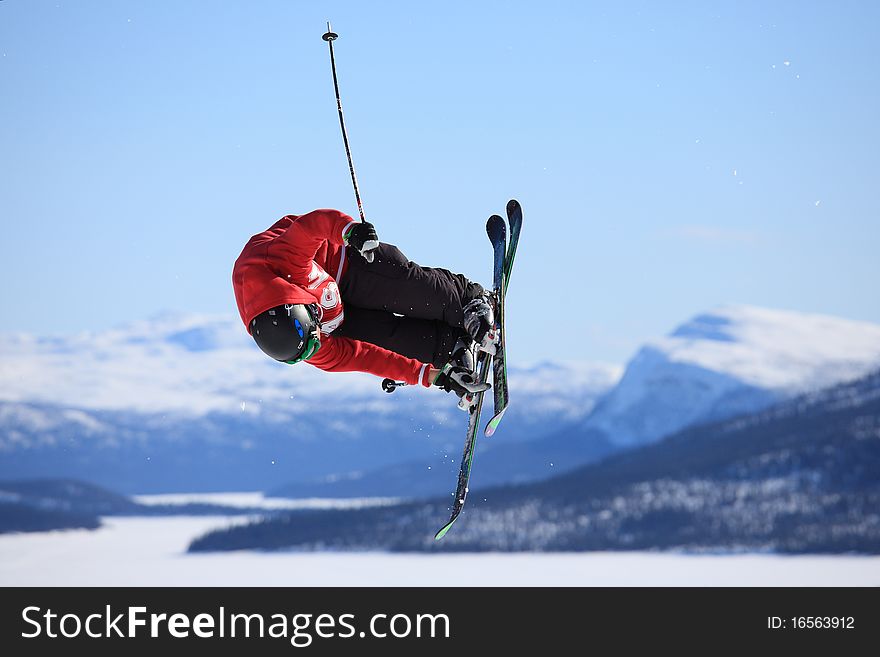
(313,342)
(311,349)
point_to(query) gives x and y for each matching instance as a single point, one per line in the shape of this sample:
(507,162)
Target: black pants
(396,304)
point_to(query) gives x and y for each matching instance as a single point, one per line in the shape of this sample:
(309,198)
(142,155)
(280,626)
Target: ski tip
(442,531)
(512,203)
(494,422)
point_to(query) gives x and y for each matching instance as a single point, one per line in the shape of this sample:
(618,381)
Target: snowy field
(151,552)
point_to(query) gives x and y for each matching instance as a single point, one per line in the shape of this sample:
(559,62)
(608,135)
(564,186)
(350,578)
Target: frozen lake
(256,499)
(151,552)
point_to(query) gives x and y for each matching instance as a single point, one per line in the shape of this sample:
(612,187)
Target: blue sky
(670,157)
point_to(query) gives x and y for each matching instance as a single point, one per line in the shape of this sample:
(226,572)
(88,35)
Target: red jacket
(298,260)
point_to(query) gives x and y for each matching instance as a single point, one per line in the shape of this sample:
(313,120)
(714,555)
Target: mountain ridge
(731,360)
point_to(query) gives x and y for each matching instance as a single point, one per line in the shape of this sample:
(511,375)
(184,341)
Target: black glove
(460,380)
(363,238)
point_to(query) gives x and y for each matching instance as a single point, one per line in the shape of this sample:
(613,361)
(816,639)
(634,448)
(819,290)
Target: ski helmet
(289,333)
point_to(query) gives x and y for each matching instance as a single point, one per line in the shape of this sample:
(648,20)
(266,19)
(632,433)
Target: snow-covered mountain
(735,359)
(730,361)
(189,403)
(185,403)
(192,366)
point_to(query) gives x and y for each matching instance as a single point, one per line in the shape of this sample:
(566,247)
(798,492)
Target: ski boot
(459,374)
(479,322)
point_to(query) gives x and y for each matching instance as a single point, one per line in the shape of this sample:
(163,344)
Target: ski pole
(330,36)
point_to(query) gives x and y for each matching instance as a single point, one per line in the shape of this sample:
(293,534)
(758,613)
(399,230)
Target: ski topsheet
(499,378)
(467,457)
(503,254)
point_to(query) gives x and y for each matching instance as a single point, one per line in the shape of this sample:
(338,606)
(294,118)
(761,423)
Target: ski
(467,457)
(502,279)
(503,254)
(496,229)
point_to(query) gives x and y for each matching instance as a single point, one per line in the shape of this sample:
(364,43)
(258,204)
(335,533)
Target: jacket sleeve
(299,243)
(338,354)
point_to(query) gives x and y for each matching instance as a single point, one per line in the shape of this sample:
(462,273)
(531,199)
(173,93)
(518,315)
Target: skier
(321,288)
